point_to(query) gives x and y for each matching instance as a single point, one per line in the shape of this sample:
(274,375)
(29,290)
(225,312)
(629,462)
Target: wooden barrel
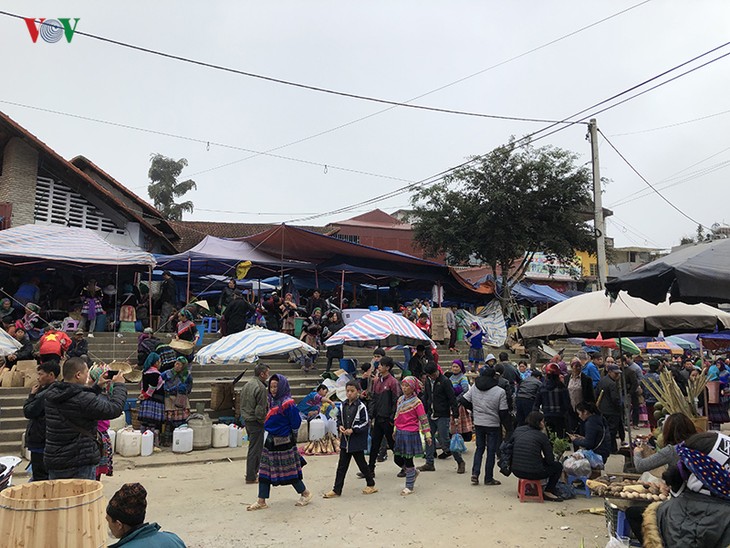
(221,395)
(60,513)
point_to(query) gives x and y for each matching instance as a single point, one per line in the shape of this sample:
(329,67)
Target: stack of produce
(630,489)
(670,396)
(327,445)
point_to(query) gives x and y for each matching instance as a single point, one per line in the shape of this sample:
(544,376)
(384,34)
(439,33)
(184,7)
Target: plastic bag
(457,444)
(576,465)
(594,458)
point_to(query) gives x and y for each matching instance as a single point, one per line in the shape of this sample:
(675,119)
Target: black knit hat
(129,504)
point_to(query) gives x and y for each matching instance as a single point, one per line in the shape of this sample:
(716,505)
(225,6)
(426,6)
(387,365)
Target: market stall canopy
(334,255)
(588,314)
(686,341)
(221,256)
(627,345)
(719,341)
(45,245)
(384,329)
(249,345)
(693,274)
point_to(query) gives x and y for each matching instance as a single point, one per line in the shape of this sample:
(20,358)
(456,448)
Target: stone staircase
(109,346)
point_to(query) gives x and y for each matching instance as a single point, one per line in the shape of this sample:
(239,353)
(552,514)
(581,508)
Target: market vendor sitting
(311,405)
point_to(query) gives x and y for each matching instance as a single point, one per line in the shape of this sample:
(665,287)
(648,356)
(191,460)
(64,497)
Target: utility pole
(598,220)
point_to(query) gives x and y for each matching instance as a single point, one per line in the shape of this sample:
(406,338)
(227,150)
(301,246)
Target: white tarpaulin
(248,345)
(491,320)
(37,244)
(8,344)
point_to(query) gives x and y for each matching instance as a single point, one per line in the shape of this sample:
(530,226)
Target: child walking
(410,422)
(475,338)
(353,424)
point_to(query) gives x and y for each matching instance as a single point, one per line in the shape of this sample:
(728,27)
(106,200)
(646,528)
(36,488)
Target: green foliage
(513,202)
(164,187)
(560,445)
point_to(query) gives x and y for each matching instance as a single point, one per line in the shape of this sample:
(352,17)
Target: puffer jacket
(690,520)
(529,388)
(34,409)
(149,535)
(531,452)
(439,398)
(66,446)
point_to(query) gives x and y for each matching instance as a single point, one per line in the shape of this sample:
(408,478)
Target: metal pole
(149,298)
(627,401)
(187,294)
(599,222)
(342,289)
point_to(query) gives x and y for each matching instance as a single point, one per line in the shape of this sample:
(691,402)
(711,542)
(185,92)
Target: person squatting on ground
(72,411)
(281,463)
(353,425)
(34,409)
(125,515)
(254,406)
(440,401)
(410,422)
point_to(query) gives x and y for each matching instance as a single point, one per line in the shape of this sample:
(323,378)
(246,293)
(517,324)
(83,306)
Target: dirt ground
(205,504)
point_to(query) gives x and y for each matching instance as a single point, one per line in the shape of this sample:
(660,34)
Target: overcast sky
(395,50)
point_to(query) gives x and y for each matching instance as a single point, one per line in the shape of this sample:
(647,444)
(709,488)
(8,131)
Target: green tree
(510,204)
(164,187)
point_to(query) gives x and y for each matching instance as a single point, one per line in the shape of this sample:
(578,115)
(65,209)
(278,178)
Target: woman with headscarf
(463,425)
(553,400)
(178,384)
(697,514)
(227,295)
(288,314)
(8,314)
(106,464)
(30,321)
(91,297)
(410,422)
(152,396)
(186,328)
(281,463)
(335,352)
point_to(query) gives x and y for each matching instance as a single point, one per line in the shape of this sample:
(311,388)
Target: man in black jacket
(610,402)
(237,313)
(440,403)
(72,410)
(25,352)
(34,409)
(168,300)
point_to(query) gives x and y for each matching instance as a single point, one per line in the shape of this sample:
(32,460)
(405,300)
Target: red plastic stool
(522,488)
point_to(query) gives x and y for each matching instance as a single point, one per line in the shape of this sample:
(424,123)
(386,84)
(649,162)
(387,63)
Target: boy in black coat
(353,424)
(34,409)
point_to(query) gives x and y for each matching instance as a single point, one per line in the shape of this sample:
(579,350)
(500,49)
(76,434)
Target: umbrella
(595,312)
(248,345)
(692,274)
(380,329)
(627,345)
(663,347)
(8,343)
(719,341)
(685,341)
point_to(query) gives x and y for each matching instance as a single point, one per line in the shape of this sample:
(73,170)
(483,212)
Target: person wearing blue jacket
(589,368)
(353,425)
(125,515)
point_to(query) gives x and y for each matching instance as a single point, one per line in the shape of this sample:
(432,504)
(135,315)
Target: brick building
(38,186)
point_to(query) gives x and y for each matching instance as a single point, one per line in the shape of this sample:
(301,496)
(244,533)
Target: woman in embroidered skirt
(106,464)
(178,384)
(463,425)
(152,397)
(91,296)
(410,422)
(281,463)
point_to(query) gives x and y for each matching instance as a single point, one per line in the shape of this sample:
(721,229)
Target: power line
(203,141)
(671,125)
(445,86)
(648,183)
(633,229)
(292,83)
(532,137)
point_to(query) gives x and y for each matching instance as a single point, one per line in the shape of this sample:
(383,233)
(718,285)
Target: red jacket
(55,342)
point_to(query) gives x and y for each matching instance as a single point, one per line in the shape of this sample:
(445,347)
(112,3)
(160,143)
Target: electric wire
(684,122)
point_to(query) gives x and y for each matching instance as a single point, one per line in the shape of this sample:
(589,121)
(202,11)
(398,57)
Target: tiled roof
(374,219)
(192,232)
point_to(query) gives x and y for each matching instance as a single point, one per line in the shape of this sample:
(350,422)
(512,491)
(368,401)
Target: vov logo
(51,30)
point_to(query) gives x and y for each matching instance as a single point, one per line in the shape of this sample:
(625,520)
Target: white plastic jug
(182,439)
(235,434)
(148,443)
(112,439)
(129,442)
(118,423)
(220,435)
(317,429)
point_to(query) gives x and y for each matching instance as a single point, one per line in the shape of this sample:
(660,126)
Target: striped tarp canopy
(247,346)
(28,245)
(384,329)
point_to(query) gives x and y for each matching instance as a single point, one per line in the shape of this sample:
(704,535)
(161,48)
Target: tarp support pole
(702,367)
(627,401)
(342,289)
(149,295)
(316,279)
(187,293)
